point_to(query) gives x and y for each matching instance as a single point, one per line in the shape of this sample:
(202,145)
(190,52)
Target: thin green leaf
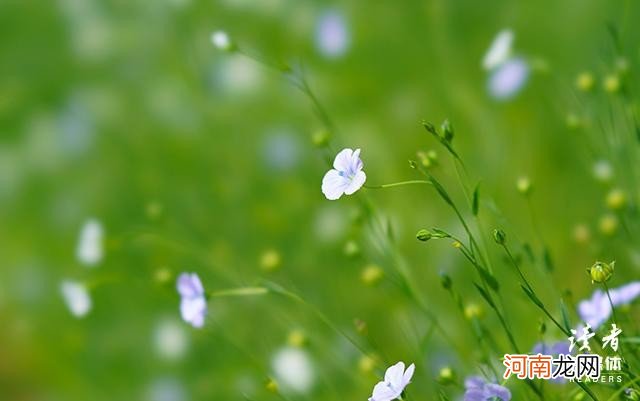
(475,205)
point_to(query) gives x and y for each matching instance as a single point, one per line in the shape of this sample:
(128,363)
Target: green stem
(239,292)
(398,184)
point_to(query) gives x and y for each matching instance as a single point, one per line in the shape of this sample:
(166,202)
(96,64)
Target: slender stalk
(398,184)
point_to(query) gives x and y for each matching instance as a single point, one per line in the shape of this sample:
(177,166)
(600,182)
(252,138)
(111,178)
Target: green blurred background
(198,160)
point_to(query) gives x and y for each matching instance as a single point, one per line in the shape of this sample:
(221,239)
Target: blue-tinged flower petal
(508,78)
(334,185)
(625,294)
(495,390)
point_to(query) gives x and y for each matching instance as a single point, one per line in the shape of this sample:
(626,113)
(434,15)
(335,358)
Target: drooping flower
(597,310)
(499,51)
(478,389)
(332,34)
(193,304)
(346,177)
(293,369)
(76,297)
(89,250)
(396,378)
(508,78)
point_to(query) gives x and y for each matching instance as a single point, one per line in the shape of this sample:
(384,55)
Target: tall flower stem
(398,184)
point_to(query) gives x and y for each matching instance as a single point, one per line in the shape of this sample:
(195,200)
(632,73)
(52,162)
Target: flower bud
(296,338)
(608,224)
(371,275)
(616,199)
(585,81)
(573,121)
(221,41)
(611,83)
(361,326)
(524,185)
(366,364)
(601,272)
(446,376)
(270,260)
(631,394)
(579,396)
(473,311)
(351,249)
(542,327)
(602,171)
(447,131)
(445,280)
(320,138)
(499,236)
(424,235)
(272,386)
(163,275)
(581,234)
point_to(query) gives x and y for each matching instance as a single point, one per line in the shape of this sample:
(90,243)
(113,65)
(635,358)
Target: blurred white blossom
(221,40)
(89,250)
(293,369)
(499,51)
(76,297)
(170,339)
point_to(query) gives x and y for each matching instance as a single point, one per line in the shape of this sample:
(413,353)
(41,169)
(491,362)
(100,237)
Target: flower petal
(625,294)
(189,285)
(499,50)
(394,374)
(356,183)
(507,80)
(474,382)
(382,392)
(334,185)
(495,390)
(408,374)
(342,161)
(193,310)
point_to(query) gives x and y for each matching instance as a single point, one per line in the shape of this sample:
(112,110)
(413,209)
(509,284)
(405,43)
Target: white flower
(346,177)
(193,305)
(89,250)
(499,51)
(293,369)
(332,35)
(221,40)
(170,339)
(508,78)
(395,380)
(76,296)
(602,170)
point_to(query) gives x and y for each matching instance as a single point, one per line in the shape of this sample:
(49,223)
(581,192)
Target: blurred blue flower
(193,305)
(477,389)
(597,310)
(332,35)
(555,349)
(346,177)
(508,78)
(396,378)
